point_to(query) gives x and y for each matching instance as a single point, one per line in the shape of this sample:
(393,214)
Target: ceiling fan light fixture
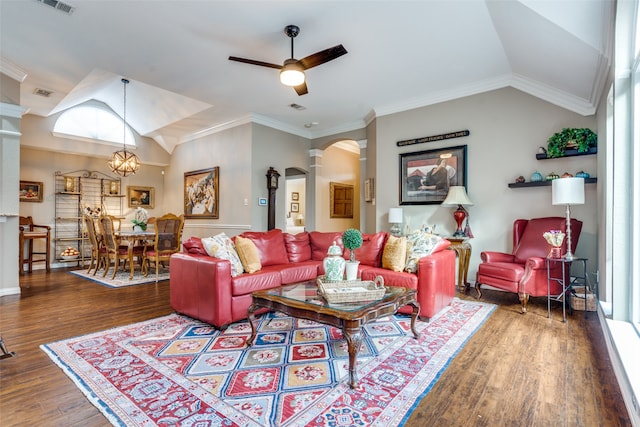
(292,73)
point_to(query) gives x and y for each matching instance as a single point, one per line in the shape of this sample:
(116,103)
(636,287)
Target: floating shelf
(568,153)
(544,183)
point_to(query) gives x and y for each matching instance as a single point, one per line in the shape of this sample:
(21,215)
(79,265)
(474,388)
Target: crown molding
(553,95)
(11,110)
(12,70)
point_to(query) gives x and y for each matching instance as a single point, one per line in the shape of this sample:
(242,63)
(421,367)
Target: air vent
(58,5)
(42,92)
(297,107)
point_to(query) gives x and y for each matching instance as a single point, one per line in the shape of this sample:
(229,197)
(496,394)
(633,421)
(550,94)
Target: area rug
(122,277)
(175,371)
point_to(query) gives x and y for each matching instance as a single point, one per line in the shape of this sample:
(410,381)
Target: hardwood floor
(517,370)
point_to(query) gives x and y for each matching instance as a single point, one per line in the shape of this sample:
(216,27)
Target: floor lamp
(567,191)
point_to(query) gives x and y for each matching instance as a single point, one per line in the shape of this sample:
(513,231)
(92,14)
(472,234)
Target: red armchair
(525,271)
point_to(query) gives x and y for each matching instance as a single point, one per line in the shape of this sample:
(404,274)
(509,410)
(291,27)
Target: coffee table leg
(354,339)
(252,321)
(414,316)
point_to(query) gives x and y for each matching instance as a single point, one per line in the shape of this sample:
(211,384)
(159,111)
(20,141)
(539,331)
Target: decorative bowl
(69,257)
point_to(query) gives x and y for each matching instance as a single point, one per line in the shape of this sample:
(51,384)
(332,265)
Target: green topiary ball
(352,240)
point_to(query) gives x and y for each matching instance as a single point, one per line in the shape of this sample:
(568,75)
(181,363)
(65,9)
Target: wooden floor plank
(517,370)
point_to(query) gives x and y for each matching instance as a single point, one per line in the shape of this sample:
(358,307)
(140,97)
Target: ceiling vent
(297,107)
(58,5)
(42,92)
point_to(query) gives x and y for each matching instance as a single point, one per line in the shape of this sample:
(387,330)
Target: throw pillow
(194,246)
(248,253)
(421,244)
(221,246)
(394,253)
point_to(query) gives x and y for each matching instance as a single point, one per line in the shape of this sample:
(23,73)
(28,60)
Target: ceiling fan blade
(254,62)
(323,56)
(301,89)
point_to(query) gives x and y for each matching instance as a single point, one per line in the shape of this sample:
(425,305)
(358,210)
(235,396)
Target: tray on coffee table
(351,290)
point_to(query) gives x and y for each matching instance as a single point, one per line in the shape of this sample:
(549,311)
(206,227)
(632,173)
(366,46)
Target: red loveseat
(202,287)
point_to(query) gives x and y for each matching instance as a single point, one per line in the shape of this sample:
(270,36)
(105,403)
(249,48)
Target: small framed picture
(295,207)
(295,196)
(31,191)
(368,190)
(262,201)
(143,197)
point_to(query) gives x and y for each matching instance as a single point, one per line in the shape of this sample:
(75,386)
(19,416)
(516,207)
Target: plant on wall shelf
(577,138)
(352,240)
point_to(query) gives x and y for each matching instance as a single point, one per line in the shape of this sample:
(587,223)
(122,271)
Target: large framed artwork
(201,191)
(31,191)
(425,176)
(140,197)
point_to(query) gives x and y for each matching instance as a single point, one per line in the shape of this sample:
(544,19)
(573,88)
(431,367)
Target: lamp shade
(292,73)
(395,215)
(457,196)
(567,191)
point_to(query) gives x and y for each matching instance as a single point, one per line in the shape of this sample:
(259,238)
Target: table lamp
(567,191)
(395,218)
(458,196)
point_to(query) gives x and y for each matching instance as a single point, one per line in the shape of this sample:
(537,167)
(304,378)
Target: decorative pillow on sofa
(298,246)
(221,246)
(420,244)
(248,253)
(194,246)
(270,246)
(395,253)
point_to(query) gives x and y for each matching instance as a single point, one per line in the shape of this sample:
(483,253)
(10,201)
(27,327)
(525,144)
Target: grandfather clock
(272,186)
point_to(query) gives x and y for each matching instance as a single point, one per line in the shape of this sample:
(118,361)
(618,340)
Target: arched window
(93,122)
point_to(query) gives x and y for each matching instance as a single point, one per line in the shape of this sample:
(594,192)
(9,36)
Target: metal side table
(566,282)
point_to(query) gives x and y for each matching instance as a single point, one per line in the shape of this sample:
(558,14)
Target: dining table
(131,237)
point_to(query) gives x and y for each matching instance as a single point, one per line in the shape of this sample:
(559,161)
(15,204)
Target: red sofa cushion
(320,242)
(298,246)
(194,246)
(270,246)
(370,253)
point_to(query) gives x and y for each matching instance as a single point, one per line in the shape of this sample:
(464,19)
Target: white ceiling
(402,55)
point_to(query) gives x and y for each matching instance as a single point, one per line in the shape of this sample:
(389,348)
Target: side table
(462,247)
(566,282)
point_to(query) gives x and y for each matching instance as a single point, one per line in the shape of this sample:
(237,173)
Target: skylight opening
(94,123)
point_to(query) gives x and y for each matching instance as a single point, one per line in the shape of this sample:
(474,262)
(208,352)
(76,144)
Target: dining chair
(114,250)
(168,234)
(98,252)
(30,232)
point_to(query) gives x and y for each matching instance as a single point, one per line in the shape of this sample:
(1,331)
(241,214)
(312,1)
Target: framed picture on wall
(201,192)
(140,197)
(31,191)
(295,207)
(425,176)
(295,196)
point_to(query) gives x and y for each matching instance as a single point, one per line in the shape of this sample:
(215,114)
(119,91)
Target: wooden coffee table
(302,301)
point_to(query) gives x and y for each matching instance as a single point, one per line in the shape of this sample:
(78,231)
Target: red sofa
(202,287)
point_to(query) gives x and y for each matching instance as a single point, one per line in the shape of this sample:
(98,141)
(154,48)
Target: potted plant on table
(140,218)
(352,240)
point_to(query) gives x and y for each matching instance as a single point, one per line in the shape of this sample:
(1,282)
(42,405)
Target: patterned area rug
(177,371)
(122,277)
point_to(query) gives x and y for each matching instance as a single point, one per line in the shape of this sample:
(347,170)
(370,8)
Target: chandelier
(124,162)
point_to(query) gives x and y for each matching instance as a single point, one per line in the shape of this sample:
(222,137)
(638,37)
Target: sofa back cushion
(193,245)
(370,253)
(298,246)
(320,242)
(270,246)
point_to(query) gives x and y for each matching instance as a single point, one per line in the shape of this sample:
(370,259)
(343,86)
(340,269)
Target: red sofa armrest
(489,256)
(436,282)
(200,287)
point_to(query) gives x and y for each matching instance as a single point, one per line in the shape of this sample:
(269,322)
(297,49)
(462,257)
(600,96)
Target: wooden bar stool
(30,232)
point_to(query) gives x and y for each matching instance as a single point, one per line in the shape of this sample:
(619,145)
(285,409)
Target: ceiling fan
(292,71)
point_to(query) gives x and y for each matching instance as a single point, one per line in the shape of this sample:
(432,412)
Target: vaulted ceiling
(401,55)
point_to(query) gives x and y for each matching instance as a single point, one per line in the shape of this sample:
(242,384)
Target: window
(94,122)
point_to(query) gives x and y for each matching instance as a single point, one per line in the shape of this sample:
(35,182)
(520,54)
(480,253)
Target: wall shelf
(544,183)
(568,153)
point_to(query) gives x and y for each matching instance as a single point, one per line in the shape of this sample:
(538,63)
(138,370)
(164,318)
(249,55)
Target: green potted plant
(352,240)
(576,138)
